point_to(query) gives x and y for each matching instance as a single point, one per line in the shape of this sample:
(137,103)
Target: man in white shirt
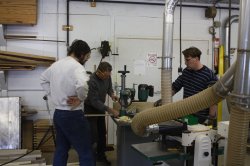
(65,81)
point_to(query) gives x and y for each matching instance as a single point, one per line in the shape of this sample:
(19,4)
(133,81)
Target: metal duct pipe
(240,97)
(229,22)
(167,51)
(241,91)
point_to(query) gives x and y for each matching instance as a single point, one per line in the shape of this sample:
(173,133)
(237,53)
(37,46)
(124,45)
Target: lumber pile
(32,159)
(20,61)
(41,126)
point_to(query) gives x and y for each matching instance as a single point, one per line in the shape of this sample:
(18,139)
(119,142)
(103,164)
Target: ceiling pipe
(196,5)
(192,5)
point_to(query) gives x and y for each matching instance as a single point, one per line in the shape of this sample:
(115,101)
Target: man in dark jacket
(100,85)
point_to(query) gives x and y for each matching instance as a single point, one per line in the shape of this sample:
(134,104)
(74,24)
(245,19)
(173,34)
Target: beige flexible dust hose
(237,141)
(190,105)
(175,110)
(166,86)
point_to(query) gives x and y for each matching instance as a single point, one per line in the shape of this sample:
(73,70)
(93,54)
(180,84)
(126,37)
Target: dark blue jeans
(98,130)
(72,129)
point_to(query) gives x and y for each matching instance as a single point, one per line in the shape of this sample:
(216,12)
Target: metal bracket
(93,3)
(65,27)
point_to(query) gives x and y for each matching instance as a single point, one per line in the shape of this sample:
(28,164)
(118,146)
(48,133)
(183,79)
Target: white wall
(120,24)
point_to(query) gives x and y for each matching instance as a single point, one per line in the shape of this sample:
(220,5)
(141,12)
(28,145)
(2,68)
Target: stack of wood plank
(32,159)
(20,61)
(41,126)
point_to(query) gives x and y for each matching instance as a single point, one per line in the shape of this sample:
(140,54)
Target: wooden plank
(18,12)
(15,64)
(7,61)
(28,113)
(17,67)
(46,58)
(70,164)
(41,122)
(39,164)
(11,69)
(19,163)
(6,57)
(32,156)
(4,152)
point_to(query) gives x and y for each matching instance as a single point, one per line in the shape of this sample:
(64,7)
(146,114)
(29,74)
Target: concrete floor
(111,155)
(73,157)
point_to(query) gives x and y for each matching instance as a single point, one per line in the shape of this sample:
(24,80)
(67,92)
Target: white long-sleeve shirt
(65,78)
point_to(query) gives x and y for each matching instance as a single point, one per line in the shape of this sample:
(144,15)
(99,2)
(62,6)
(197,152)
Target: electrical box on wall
(18,12)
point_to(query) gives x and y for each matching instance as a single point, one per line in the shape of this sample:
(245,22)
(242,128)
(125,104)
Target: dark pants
(72,129)
(98,129)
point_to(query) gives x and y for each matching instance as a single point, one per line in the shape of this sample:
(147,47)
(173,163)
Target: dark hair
(104,66)
(192,52)
(79,48)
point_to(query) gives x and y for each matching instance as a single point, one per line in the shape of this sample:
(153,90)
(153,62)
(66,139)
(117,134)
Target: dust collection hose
(190,105)
(238,129)
(166,86)
(174,110)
